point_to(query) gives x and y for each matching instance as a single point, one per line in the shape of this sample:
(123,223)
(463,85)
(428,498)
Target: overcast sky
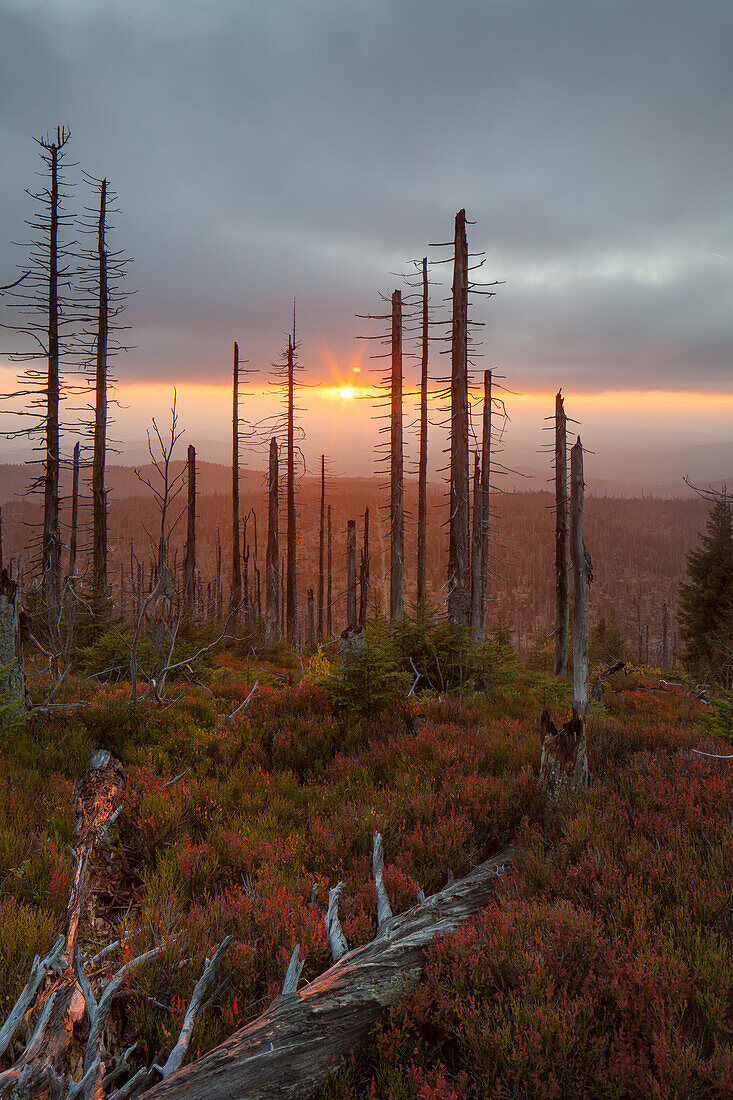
(311,147)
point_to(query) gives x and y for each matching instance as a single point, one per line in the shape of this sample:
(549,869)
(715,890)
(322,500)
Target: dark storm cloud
(310,148)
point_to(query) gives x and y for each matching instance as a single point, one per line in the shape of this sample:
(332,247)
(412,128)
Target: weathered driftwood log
(564,759)
(299,1040)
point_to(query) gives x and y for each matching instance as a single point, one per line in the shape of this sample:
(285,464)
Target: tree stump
(564,759)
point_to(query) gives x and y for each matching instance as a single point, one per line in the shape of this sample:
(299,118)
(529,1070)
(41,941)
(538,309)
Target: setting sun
(347,392)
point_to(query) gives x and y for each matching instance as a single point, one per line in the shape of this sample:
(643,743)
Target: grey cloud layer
(309,147)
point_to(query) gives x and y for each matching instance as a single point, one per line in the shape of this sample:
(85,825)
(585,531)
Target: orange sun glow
(347,392)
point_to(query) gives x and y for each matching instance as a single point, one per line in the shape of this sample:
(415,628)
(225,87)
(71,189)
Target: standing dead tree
(189,561)
(46,293)
(364,574)
(396,473)
(236,591)
(102,280)
(484,504)
(273,551)
(582,577)
(351,575)
(321,554)
(562,565)
(459,559)
(329,550)
(422,473)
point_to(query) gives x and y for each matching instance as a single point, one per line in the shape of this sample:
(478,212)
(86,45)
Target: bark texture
(396,476)
(189,561)
(422,469)
(459,570)
(99,458)
(300,1039)
(582,577)
(273,551)
(351,575)
(562,563)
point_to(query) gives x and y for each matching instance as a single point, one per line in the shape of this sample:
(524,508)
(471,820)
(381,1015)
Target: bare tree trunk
(12,675)
(74,533)
(99,495)
(51,542)
(422,473)
(282,597)
(485,498)
(562,566)
(301,1038)
(189,561)
(310,636)
(292,597)
(396,510)
(273,552)
(246,602)
(364,574)
(330,575)
(476,563)
(665,635)
(459,581)
(351,575)
(236,595)
(582,576)
(321,555)
(2,565)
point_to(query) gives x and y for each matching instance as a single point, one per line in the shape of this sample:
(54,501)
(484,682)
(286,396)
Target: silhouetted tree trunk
(665,632)
(99,495)
(282,596)
(364,574)
(582,576)
(74,533)
(273,552)
(2,564)
(330,576)
(422,472)
(396,510)
(321,554)
(351,575)
(236,596)
(292,597)
(562,566)
(459,581)
(189,561)
(310,635)
(485,499)
(51,542)
(476,564)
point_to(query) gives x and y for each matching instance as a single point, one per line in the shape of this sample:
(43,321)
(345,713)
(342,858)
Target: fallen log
(299,1040)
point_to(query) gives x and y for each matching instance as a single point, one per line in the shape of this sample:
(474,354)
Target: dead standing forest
(325,821)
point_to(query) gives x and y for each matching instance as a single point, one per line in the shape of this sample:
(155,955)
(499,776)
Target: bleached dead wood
(300,1039)
(384,909)
(564,759)
(211,969)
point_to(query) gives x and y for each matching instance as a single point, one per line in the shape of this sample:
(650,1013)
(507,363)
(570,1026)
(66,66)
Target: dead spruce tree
(364,567)
(484,505)
(396,470)
(47,309)
(189,560)
(236,590)
(273,551)
(102,279)
(422,472)
(351,575)
(459,579)
(562,565)
(321,554)
(582,577)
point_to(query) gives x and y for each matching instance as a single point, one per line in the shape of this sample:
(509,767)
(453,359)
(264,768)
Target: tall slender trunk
(396,499)
(2,566)
(273,552)
(364,574)
(321,554)
(351,575)
(665,633)
(292,597)
(459,557)
(562,564)
(236,595)
(51,542)
(582,576)
(330,574)
(476,563)
(485,498)
(422,474)
(99,495)
(189,561)
(310,634)
(282,596)
(74,533)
